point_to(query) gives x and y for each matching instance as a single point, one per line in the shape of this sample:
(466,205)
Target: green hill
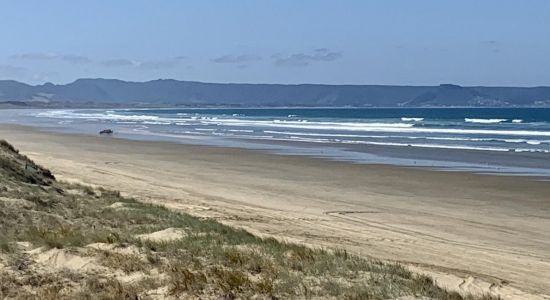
(168,92)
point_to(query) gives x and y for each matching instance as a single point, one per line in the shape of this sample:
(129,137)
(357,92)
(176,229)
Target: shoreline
(491,158)
(425,158)
(455,225)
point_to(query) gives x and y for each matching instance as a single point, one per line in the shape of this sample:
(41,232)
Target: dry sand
(475,233)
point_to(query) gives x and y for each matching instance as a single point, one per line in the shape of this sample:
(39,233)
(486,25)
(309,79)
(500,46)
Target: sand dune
(471,232)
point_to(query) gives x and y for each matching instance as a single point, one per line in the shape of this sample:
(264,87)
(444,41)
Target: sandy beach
(474,233)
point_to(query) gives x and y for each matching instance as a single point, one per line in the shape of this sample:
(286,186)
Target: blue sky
(467,42)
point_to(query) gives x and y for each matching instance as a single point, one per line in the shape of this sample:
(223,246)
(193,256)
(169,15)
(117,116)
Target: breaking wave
(484,121)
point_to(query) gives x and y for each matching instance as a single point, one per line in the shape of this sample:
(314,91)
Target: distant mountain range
(167,92)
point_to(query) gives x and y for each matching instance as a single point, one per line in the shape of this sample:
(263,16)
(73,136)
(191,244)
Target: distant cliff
(94,92)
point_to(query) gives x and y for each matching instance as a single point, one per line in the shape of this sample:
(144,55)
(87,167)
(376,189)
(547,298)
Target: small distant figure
(106,132)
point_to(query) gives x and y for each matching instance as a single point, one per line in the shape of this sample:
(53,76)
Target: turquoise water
(482,129)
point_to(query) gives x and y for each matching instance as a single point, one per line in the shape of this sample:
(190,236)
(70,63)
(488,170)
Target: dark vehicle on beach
(106,132)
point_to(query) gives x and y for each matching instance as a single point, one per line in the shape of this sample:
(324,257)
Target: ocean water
(493,140)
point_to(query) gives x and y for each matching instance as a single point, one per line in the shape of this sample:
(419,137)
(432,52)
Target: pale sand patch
(3,259)
(159,293)
(166,235)
(130,250)
(118,205)
(75,192)
(247,248)
(24,245)
(138,276)
(62,259)
(131,278)
(72,180)
(35,251)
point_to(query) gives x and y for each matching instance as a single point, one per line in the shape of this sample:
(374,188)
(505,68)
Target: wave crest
(407,119)
(484,121)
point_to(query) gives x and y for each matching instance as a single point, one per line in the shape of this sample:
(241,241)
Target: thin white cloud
(70,58)
(158,64)
(305,59)
(236,59)
(148,64)
(36,56)
(119,62)
(76,59)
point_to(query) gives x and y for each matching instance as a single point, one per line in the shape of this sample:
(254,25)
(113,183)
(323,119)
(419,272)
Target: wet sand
(471,232)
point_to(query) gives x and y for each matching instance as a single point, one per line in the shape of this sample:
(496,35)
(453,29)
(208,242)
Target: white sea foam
(517,121)
(310,139)
(405,119)
(156,123)
(240,130)
(311,125)
(436,138)
(400,129)
(532,150)
(438,146)
(484,121)
(335,124)
(300,136)
(69,114)
(379,127)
